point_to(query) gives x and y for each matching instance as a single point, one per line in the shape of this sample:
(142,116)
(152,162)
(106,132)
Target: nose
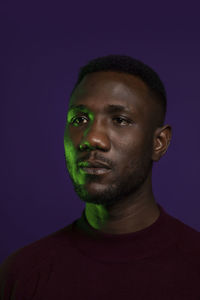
(95,137)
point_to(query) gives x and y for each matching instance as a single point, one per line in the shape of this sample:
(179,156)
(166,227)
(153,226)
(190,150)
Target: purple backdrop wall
(43,45)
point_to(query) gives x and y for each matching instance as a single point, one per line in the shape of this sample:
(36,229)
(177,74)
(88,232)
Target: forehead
(101,88)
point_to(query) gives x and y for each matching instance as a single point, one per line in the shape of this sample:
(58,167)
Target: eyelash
(123,119)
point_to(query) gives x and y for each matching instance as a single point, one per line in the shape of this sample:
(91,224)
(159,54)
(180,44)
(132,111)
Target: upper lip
(93,164)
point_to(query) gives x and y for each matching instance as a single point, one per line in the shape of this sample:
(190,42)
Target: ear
(162,138)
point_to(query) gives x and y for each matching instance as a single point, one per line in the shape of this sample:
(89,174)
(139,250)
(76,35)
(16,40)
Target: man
(124,246)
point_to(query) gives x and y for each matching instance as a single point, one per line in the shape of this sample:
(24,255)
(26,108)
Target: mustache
(95,157)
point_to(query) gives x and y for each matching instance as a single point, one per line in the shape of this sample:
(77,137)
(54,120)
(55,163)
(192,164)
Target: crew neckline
(126,247)
(83,225)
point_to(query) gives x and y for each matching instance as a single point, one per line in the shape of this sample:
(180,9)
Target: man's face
(122,139)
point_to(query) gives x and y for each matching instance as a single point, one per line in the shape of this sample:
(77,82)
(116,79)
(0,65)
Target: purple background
(43,46)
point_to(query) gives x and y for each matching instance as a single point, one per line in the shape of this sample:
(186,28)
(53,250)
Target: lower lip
(95,171)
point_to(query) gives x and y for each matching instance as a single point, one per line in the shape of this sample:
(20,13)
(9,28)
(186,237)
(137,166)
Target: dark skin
(122,201)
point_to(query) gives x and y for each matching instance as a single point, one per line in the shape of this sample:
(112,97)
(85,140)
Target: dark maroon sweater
(159,262)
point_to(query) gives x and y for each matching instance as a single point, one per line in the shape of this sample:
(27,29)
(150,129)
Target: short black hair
(127,64)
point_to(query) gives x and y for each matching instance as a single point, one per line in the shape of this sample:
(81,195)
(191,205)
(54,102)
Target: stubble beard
(116,192)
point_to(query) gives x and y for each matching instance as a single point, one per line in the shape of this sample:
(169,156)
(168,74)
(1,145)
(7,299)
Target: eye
(122,119)
(119,122)
(75,119)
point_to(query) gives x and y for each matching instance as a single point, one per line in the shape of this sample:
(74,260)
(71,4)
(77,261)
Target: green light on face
(70,156)
(77,175)
(78,113)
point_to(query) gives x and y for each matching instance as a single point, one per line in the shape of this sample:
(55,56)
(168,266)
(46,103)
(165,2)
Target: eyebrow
(111,108)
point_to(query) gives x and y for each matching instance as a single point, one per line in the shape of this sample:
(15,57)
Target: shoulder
(186,234)
(187,240)
(19,265)
(40,249)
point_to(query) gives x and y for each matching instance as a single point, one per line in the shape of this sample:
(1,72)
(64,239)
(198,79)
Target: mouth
(95,171)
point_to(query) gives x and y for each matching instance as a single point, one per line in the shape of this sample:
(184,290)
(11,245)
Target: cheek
(69,139)
(127,155)
(128,145)
(133,155)
(69,149)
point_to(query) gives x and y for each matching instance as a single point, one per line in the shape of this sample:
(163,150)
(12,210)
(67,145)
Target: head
(120,122)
